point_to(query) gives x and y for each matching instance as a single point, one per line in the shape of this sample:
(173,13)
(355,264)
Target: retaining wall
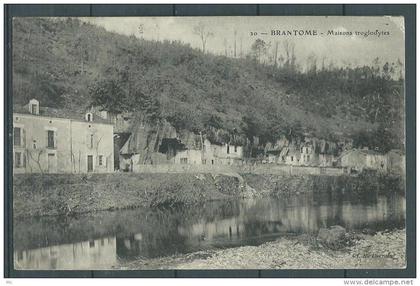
(226,169)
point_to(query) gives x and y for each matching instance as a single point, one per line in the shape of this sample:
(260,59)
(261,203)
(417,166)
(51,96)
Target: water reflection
(92,254)
(96,241)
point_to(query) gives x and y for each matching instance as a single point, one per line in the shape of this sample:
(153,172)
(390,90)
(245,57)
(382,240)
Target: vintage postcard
(208,143)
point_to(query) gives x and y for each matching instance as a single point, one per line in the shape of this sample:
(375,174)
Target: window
(307,150)
(50,141)
(18,159)
(236,148)
(34,109)
(184,160)
(17,137)
(89,117)
(100,160)
(291,158)
(227,149)
(91,141)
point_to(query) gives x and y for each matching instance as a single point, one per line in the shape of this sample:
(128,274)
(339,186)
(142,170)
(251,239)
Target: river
(103,239)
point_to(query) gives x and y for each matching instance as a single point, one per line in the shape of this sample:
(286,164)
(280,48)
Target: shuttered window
(50,139)
(18,159)
(17,136)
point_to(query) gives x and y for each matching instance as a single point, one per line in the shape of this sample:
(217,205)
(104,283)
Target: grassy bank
(381,250)
(52,194)
(38,195)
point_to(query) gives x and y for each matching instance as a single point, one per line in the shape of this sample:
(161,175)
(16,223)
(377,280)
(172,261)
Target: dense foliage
(72,64)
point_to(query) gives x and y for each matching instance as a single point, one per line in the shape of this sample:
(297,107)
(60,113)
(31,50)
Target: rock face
(332,237)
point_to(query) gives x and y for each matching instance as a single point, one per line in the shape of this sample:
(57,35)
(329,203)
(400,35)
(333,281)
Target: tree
(147,104)
(387,71)
(376,66)
(259,49)
(201,31)
(109,94)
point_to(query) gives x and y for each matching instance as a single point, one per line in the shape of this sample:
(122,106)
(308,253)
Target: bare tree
(276,49)
(35,156)
(241,54)
(234,42)
(289,49)
(311,64)
(225,45)
(201,31)
(400,69)
(323,67)
(157,31)
(140,30)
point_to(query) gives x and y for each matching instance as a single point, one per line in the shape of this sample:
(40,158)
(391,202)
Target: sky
(353,50)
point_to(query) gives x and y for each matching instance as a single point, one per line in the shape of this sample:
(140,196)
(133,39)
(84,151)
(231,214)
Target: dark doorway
(90,163)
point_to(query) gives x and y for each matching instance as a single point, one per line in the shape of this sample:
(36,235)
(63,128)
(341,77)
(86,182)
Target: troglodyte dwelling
(50,140)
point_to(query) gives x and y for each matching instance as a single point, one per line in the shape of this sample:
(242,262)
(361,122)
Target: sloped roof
(360,151)
(396,151)
(59,113)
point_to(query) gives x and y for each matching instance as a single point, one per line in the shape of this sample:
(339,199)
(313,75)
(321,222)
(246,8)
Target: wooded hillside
(71,64)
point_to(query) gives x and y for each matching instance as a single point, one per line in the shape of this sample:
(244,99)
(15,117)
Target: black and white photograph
(208,142)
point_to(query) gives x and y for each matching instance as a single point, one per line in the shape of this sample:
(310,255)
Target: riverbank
(44,195)
(63,194)
(381,250)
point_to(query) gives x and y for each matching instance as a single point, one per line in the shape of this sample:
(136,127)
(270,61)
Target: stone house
(326,160)
(360,159)
(376,161)
(121,121)
(145,146)
(396,161)
(292,156)
(211,154)
(50,140)
(272,158)
(189,157)
(272,151)
(308,156)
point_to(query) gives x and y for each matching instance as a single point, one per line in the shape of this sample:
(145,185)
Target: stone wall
(226,169)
